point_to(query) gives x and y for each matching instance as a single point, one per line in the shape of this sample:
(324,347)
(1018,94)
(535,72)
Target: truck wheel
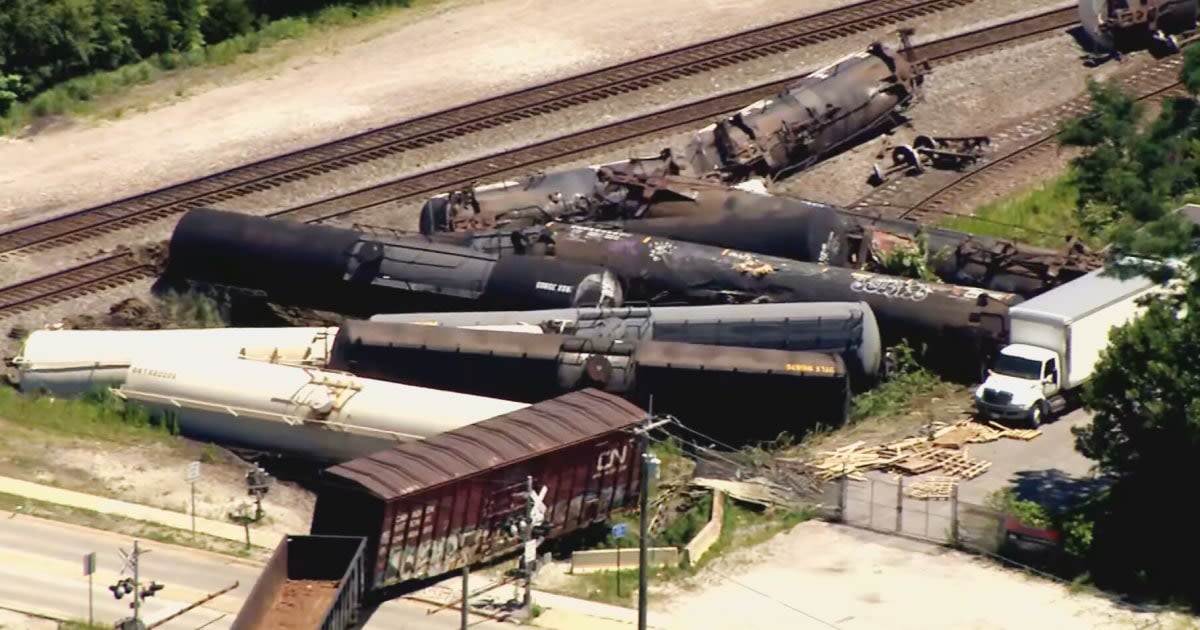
(1036,415)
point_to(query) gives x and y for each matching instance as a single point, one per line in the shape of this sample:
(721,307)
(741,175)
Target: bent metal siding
(426,508)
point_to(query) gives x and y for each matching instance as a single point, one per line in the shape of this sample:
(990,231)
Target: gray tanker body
(846,328)
(704,386)
(959,323)
(709,213)
(350,272)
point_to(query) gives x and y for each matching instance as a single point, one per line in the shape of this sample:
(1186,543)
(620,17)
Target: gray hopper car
(705,386)
(845,328)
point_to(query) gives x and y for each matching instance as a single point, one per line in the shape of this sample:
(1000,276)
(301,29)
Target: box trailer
(1055,342)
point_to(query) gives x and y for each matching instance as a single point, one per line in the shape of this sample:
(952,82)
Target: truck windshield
(1017,367)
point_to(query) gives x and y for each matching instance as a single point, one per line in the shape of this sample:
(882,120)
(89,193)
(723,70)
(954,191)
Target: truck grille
(993,396)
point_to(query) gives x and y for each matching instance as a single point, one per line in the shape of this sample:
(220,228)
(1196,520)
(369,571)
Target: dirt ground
(821,575)
(151,474)
(416,62)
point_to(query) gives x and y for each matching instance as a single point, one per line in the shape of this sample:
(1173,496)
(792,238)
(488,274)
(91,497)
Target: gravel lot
(820,575)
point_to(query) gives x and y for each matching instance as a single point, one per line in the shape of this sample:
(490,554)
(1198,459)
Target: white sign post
(193,475)
(89,568)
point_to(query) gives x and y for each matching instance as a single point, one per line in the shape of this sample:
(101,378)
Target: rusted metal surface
(664,271)
(690,381)
(1121,26)
(925,152)
(427,510)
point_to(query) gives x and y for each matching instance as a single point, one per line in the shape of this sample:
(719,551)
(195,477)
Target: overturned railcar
(295,411)
(73,362)
(845,328)
(1119,26)
(958,322)
(714,214)
(857,96)
(347,271)
(707,385)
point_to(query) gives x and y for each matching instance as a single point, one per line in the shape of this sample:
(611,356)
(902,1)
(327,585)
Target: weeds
(97,415)
(1043,216)
(907,380)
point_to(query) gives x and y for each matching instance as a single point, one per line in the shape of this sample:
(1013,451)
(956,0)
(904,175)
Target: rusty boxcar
(426,510)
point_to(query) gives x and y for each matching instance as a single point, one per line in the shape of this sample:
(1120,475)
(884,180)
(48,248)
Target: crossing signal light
(149,591)
(122,588)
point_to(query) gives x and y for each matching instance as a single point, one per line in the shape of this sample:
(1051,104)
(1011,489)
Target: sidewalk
(167,518)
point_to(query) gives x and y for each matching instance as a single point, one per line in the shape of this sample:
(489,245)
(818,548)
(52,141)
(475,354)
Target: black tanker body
(706,385)
(965,325)
(846,328)
(714,214)
(350,272)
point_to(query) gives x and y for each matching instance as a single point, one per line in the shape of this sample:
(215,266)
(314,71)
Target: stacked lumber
(932,488)
(943,449)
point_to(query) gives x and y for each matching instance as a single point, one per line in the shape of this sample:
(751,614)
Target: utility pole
(649,466)
(527,534)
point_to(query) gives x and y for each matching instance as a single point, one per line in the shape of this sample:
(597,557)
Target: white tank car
(71,362)
(297,411)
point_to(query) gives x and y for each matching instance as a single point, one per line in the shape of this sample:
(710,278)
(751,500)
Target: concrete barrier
(710,533)
(606,559)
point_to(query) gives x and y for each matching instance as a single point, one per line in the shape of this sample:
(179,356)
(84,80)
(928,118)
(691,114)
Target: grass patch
(98,415)
(126,526)
(741,527)
(82,95)
(1043,216)
(83,625)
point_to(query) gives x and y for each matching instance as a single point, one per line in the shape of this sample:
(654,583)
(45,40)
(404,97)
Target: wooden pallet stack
(943,449)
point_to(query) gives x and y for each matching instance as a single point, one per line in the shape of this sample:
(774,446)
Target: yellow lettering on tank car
(808,369)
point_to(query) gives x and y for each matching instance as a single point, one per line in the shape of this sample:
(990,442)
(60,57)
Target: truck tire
(1038,414)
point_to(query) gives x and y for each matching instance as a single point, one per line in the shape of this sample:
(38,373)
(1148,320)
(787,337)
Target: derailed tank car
(714,214)
(826,111)
(420,507)
(707,385)
(297,412)
(72,362)
(963,324)
(846,328)
(350,272)
(1118,26)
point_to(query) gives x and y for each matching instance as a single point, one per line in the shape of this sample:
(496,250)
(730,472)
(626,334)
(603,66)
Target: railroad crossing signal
(129,560)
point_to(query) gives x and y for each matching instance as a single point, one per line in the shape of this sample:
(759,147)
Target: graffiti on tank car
(899,288)
(659,249)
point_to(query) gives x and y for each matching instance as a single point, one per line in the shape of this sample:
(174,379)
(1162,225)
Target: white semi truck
(1055,342)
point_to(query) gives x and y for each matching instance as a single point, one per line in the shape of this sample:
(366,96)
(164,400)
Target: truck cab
(1020,385)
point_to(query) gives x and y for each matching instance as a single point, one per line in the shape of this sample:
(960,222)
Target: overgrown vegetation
(907,380)
(1135,535)
(97,415)
(1042,216)
(912,261)
(59,56)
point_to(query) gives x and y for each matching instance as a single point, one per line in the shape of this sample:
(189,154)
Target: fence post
(844,486)
(871,503)
(899,504)
(955,540)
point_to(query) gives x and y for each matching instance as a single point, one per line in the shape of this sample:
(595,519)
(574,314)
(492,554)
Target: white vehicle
(1055,341)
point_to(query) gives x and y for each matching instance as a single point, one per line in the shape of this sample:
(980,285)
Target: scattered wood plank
(937,488)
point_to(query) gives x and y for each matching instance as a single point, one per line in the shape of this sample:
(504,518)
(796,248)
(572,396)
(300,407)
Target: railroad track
(1019,148)
(89,278)
(560,149)
(520,160)
(77,227)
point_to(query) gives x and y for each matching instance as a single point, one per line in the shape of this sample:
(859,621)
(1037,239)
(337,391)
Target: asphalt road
(1046,468)
(41,566)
